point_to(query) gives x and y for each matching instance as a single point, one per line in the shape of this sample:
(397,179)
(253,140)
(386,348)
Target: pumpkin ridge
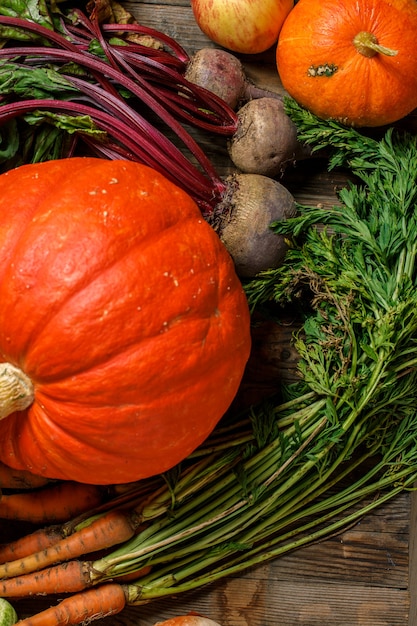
(33,357)
(198,329)
(62,302)
(46,387)
(66,436)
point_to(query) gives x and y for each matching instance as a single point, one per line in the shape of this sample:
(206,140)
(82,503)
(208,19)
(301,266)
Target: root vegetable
(223,74)
(253,203)
(103,532)
(19,479)
(63,578)
(69,577)
(38,541)
(266,139)
(52,503)
(82,608)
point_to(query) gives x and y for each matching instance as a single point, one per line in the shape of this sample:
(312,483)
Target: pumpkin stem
(16,390)
(367,44)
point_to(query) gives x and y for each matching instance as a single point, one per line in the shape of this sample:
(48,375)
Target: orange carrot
(52,503)
(31,543)
(64,578)
(82,608)
(102,532)
(20,479)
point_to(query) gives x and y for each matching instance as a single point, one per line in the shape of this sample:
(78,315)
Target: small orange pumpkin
(355,62)
(124,330)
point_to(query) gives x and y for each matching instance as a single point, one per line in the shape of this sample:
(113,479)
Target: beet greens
(76,86)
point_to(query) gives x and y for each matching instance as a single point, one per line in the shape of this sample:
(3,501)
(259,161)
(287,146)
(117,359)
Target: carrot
(55,503)
(110,529)
(20,479)
(31,543)
(63,578)
(81,608)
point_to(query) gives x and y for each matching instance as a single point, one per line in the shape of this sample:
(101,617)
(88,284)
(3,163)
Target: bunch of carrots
(249,494)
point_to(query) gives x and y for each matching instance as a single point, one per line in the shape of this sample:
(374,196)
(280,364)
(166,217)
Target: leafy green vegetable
(39,135)
(33,82)
(123,97)
(9,141)
(70,123)
(41,12)
(352,272)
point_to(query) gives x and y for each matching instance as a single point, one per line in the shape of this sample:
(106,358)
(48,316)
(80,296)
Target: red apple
(244,26)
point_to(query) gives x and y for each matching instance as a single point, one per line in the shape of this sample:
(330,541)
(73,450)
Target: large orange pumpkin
(124,331)
(355,62)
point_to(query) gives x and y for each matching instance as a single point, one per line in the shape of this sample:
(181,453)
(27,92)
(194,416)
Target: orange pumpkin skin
(321,68)
(123,307)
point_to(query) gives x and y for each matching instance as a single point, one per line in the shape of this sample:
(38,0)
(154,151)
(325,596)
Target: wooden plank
(248,602)
(251,602)
(369,554)
(173,18)
(412,571)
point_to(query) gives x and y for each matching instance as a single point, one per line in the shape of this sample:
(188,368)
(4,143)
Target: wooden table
(362,577)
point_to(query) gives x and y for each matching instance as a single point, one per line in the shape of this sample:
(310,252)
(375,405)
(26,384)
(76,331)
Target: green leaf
(369,351)
(69,123)
(41,12)
(9,140)
(33,82)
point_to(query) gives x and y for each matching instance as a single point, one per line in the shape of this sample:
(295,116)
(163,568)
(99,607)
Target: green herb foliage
(352,272)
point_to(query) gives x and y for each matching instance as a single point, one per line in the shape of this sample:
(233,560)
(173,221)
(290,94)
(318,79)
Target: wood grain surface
(361,577)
